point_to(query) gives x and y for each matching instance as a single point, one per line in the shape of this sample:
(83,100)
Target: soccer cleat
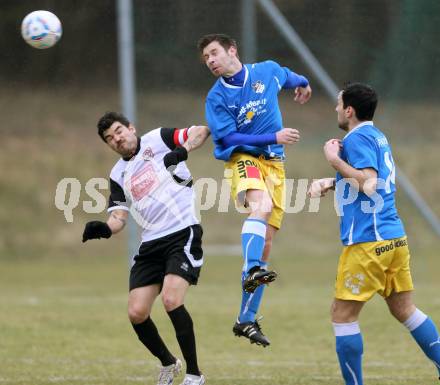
(257,277)
(167,373)
(193,380)
(251,330)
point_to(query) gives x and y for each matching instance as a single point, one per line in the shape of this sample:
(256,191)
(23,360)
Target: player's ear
(132,128)
(232,50)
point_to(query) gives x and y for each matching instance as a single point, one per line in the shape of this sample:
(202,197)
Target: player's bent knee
(401,305)
(137,314)
(265,206)
(345,311)
(402,313)
(171,301)
(260,204)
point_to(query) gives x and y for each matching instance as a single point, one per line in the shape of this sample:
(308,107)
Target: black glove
(173,158)
(96,230)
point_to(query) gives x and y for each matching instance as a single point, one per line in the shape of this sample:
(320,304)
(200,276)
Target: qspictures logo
(211,194)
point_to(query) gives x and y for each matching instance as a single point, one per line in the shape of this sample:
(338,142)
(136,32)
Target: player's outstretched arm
(320,187)
(284,136)
(303,94)
(364,179)
(303,91)
(197,135)
(97,229)
(287,136)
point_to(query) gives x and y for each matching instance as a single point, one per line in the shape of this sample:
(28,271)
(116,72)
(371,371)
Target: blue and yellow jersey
(364,218)
(249,109)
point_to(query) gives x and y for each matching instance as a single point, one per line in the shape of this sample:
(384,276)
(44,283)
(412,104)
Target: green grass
(64,322)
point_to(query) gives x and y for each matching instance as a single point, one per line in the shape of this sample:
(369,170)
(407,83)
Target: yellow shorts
(251,173)
(373,267)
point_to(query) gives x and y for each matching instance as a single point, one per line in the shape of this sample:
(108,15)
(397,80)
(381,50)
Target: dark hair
(224,40)
(362,98)
(108,119)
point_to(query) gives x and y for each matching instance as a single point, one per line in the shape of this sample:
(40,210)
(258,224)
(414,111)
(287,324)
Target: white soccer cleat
(167,373)
(193,380)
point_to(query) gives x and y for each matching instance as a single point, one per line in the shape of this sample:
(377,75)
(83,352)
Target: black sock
(149,336)
(183,326)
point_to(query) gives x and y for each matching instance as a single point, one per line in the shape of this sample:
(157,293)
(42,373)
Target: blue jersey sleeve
(220,120)
(237,139)
(294,80)
(361,151)
(278,71)
(286,78)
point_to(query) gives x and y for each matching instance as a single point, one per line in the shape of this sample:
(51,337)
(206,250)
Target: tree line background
(51,100)
(391,43)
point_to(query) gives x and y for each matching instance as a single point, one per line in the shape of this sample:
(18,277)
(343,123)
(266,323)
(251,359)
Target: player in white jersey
(152,182)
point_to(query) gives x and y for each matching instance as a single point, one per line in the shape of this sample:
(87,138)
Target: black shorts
(178,253)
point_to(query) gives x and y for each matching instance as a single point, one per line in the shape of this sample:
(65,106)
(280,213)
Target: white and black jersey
(159,202)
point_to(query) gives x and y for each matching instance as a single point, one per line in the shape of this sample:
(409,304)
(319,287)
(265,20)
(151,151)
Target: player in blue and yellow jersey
(245,121)
(375,257)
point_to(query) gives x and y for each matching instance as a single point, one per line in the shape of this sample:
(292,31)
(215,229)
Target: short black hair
(224,40)
(108,119)
(362,98)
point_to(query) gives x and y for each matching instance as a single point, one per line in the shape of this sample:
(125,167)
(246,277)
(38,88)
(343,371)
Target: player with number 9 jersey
(375,217)
(375,257)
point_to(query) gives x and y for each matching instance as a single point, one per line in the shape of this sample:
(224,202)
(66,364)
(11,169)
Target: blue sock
(250,302)
(349,347)
(426,335)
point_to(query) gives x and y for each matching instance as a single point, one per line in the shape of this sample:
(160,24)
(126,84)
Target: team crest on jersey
(148,154)
(258,86)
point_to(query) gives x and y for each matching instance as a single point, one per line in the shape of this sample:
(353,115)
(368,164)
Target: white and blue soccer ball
(41,29)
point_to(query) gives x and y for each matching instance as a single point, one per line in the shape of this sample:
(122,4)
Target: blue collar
(237,79)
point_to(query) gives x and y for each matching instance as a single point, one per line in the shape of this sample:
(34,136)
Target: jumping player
(246,125)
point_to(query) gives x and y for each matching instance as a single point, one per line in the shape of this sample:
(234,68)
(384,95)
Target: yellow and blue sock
(426,335)
(349,347)
(253,235)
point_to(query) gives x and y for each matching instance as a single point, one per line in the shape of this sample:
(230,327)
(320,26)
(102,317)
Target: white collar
(365,123)
(230,85)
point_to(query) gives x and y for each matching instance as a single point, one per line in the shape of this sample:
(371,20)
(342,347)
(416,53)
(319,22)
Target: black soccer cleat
(252,331)
(256,277)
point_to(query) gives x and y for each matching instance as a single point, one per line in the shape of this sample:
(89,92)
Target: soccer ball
(41,29)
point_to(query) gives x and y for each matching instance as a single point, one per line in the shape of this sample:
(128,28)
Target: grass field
(63,304)
(64,322)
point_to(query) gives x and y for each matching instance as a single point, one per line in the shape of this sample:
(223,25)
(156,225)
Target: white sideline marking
(150,365)
(222,250)
(61,379)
